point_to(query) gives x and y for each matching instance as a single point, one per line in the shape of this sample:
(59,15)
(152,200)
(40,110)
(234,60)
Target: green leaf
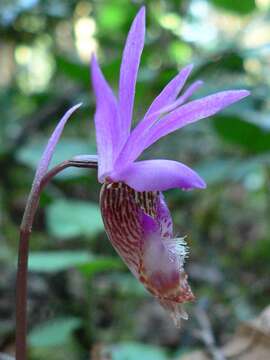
(53,333)
(216,171)
(66,149)
(249,136)
(257,252)
(54,261)
(232,169)
(128,286)
(238,6)
(75,71)
(135,351)
(101,264)
(111,16)
(68,219)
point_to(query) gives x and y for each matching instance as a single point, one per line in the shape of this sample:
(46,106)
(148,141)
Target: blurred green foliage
(83,300)
(69,219)
(241,7)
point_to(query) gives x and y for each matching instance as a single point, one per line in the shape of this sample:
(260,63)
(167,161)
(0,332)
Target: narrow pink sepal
(158,175)
(170,92)
(161,105)
(108,132)
(192,112)
(129,69)
(49,150)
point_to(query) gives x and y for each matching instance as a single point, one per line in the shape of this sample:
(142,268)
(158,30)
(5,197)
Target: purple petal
(49,150)
(170,92)
(158,175)
(106,121)
(183,98)
(129,69)
(192,112)
(134,145)
(143,136)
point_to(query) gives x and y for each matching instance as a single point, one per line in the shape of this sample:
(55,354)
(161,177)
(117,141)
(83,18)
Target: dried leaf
(251,341)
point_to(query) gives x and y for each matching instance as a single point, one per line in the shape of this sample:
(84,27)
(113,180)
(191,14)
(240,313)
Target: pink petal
(183,98)
(158,175)
(108,134)
(134,146)
(49,150)
(192,112)
(170,92)
(143,136)
(129,69)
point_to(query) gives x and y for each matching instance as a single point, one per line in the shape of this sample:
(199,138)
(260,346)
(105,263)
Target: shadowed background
(82,299)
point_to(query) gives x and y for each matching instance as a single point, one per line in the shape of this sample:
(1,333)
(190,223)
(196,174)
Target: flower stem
(21,295)
(22,270)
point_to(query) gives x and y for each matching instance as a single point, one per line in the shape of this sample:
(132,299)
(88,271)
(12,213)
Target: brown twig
(22,270)
(207,336)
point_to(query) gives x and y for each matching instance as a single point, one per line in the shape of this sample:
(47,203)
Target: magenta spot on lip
(164,282)
(108,180)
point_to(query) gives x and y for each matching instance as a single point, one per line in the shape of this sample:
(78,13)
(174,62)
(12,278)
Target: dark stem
(21,295)
(22,270)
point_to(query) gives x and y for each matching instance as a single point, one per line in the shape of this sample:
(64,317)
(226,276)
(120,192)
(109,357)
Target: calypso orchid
(136,218)
(135,215)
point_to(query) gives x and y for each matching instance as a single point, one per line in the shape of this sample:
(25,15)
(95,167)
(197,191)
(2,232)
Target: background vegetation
(82,299)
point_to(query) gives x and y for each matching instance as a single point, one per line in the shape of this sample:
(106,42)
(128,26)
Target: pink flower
(135,215)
